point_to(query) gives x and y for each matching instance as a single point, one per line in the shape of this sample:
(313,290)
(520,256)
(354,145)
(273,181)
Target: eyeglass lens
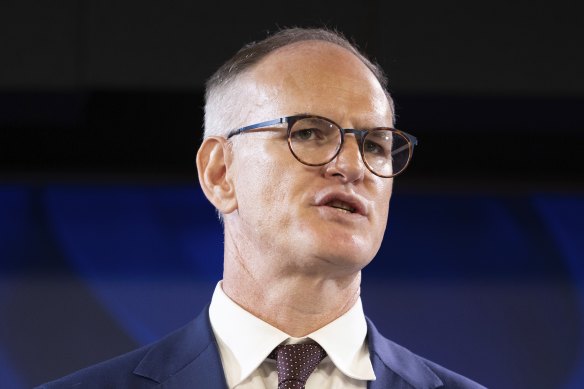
(315,141)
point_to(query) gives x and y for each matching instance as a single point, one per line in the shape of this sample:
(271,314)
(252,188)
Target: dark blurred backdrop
(104,231)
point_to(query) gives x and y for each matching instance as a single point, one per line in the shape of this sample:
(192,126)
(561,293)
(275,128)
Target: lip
(353,200)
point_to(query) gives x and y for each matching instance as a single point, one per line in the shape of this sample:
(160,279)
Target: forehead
(315,77)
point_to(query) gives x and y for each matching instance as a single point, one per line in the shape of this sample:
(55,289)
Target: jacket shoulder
(450,379)
(115,372)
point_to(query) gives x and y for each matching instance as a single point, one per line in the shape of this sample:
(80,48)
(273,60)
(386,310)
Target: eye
(306,134)
(373,148)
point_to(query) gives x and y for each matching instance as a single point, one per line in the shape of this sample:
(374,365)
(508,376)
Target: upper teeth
(341,205)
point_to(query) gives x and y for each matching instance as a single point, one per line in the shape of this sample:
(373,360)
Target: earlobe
(215,178)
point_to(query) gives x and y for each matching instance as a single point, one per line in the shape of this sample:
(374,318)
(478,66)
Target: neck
(296,302)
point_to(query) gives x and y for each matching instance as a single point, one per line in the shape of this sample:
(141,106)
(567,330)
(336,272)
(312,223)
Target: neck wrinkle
(293,300)
(295,306)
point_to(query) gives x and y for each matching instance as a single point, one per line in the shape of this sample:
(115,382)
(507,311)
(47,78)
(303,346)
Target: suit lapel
(204,372)
(188,357)
(397,367)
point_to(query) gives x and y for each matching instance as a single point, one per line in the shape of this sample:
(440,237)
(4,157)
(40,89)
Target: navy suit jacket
(189,358)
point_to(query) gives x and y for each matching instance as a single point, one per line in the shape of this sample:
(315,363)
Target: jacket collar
(397,367)
(191,353)
(186,357)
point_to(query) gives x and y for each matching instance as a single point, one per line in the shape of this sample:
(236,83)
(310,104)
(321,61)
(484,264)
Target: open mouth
(341,206)
(343,202)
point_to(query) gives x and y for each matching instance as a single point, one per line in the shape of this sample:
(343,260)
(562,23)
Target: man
(304,200)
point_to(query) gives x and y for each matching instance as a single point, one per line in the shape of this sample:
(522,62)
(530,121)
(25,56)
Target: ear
(214,168)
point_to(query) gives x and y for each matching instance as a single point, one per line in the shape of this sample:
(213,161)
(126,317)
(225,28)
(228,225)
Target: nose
(348,165)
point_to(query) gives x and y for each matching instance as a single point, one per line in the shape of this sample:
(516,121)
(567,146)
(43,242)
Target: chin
(344,255)
(334,244)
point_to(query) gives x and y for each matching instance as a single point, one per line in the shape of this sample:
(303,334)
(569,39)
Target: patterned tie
(295,363)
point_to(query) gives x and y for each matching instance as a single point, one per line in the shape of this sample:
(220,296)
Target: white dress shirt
(245,341)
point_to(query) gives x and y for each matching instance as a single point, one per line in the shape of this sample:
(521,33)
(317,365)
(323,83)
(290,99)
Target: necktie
(295,362)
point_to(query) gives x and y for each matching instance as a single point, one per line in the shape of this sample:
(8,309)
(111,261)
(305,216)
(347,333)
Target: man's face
(291,211)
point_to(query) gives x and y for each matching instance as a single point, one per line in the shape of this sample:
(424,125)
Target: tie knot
(295,362)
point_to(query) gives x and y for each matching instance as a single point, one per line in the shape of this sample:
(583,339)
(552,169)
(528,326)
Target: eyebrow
(381,135)
(368,128)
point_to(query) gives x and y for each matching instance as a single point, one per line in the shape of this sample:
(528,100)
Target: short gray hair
(221,112)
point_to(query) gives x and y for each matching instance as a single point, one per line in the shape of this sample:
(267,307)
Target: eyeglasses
(316,140)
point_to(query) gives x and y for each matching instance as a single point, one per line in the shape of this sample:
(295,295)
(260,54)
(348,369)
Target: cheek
(382,204)
(262,185)
(385,203)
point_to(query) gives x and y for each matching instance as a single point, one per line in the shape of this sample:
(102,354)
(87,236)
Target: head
(279,213)
(221,99)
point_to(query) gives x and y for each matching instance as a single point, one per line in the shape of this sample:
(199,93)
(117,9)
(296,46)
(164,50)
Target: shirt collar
(243,338)
(249,342)
(344,341)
